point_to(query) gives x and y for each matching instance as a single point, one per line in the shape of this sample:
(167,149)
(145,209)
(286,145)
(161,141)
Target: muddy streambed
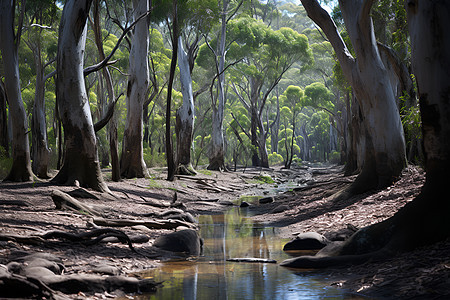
(211,276)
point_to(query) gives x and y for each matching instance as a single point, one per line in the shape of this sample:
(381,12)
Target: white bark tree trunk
(21,168)
(39,150)
(80,154)
(132,160)
(385,145)
(185,115)
(217,154)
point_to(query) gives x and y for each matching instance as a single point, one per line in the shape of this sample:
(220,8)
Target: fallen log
(152,224)
(253,260)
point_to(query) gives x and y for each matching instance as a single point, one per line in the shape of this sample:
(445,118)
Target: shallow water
(232,235)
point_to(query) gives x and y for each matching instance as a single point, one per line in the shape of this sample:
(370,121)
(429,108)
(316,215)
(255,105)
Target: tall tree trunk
(425,220)
(112,125)
(275,128)
(21,168)
(217,154)
(385,146)
(80,163)
(132,161)
(4,143)
(169,146)
(39,149)
(184,126)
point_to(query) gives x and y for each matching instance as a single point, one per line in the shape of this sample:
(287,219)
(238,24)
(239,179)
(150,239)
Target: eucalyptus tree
(384,143)
(425,219)
(80,154)
(132,160)
(267,55)
(196,19)
(41,39)
(292,104)
(106,76)
(218,47)
(21,168)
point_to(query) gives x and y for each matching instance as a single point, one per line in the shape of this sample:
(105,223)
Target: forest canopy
(283,97)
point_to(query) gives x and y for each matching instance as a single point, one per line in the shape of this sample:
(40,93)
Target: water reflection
(211,277)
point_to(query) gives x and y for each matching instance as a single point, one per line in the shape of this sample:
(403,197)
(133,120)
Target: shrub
(5,163)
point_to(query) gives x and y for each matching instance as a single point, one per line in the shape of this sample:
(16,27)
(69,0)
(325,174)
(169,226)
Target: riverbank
(297,200)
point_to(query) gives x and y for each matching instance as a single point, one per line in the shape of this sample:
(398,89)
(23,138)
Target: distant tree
(40,38)
(267,56)
(292,104)
(21,168)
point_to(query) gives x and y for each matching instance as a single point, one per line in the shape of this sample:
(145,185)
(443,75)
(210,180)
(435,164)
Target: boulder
(186,241)
(307,241)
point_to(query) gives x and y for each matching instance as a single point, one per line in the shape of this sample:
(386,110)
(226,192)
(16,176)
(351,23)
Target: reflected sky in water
(232,235)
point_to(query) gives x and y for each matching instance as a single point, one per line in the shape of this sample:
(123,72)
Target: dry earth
(302,203)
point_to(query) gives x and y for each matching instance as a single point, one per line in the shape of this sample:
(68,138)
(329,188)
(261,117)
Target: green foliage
(154,160)
(5,163)
(275,159)
(318,96)
(411,121)
(334,157)
(264,179)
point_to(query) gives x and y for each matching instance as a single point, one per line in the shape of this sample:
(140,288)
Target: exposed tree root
(185,170)
(65,201)
(152,224)
(86,238)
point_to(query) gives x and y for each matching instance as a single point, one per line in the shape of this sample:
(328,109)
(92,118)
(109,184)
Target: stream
(233,235)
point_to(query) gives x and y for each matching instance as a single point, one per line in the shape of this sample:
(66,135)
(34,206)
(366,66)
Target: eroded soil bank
(302,202)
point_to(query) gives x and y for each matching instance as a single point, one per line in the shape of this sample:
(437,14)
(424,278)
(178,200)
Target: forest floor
(302,202)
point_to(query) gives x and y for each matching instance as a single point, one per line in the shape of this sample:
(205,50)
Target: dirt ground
(302,202)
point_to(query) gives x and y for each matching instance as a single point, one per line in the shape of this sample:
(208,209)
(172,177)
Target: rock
(244,204)
(266,200)
(44,263)
(37,272)
(105,269)
(307,241)
(186,241)
(15,267)
(280,208)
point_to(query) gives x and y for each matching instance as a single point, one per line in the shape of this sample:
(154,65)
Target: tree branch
(323,20)
(109,113)
(104,62)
